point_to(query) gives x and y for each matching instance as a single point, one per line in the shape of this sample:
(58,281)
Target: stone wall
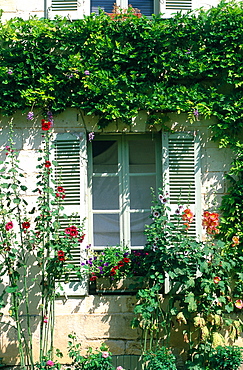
(97,319)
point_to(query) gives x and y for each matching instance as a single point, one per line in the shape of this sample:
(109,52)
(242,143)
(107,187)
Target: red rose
(25,225)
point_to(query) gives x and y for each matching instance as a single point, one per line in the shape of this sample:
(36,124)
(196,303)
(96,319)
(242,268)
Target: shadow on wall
(8,343)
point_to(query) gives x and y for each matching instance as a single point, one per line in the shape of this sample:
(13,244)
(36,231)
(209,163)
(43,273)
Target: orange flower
(211,222)
(236,240)
(216,279)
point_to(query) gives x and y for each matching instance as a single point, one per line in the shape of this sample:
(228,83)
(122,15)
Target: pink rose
(119,368)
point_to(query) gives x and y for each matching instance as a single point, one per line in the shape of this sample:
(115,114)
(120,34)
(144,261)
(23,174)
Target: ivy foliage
(115,67)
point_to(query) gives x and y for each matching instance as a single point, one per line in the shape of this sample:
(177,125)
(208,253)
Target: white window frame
(124,175)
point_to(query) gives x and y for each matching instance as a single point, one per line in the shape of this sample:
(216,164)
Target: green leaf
(11,289)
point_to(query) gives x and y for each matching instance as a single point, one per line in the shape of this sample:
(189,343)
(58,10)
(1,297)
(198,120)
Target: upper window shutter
(146,7)
(105,5)
(70,155)
(169,7)
(182,174)
(65,8)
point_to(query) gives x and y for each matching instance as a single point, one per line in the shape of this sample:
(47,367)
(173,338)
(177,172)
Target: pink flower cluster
(60,192)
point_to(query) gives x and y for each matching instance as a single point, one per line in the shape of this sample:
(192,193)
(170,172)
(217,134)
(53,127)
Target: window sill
(124,286)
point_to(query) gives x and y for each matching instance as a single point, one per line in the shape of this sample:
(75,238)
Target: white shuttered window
(109,182)
(76,9)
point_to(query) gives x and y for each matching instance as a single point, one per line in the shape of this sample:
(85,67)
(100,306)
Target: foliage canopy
(115,67)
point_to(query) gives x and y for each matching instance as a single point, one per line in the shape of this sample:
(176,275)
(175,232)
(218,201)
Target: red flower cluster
(47,164)
(60,192)
(211,222)
(72,231)
(25,225)
(187,216)
(119,265)
(61,255)
(45,125)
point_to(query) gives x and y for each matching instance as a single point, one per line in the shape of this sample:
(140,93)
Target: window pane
(146,7)
(105,193)
(106,5)
(140,191)
(106,230)
(141,156)
(105,156)
(138,222)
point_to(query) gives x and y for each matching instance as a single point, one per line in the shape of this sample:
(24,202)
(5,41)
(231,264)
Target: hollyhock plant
(41,249)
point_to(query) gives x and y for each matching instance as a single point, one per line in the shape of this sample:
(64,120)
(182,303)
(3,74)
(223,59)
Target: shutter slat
(178,5)
(64,5)
(181,168)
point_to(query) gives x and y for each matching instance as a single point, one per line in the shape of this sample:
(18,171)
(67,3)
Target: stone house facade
(103,318)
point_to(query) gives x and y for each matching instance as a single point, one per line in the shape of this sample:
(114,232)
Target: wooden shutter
(65,8)
(146,7)
(182,171)
(71,173)
(106,5)
(168,7)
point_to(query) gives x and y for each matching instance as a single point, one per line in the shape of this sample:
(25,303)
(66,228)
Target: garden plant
(35,250)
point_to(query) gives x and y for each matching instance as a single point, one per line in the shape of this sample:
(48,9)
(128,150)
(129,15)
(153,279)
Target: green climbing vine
(113,67)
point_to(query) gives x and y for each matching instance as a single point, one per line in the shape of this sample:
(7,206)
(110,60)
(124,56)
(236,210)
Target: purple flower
(70,76)
(86,73)
(196,113)
(91,136)
(50,117)
(188,51)
(30,116)
(10,72)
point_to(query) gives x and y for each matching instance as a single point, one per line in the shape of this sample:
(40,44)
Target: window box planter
(123,286)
